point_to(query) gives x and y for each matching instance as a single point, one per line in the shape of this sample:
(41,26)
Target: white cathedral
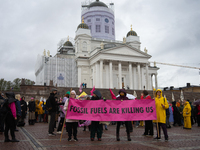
(96,58)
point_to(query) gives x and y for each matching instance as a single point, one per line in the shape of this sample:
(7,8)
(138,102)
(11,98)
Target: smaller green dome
(132,33)
(68,43)
(83,26)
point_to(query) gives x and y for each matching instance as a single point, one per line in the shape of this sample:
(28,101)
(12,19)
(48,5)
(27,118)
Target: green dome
(68,43)
(83,26)
(132,33)
(97,3)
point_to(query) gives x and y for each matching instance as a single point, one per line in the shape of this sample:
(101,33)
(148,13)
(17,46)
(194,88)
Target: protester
(96,127)
(52,111)
(2,101)
(10,118)
(167,116)
(71,123)
(45,118)
(122,97)
(161,106)
(62,113)
(192,112)
(180,109)
(198,115)
(176,114)
(36,110)
(187,115)
(148,123)
(40,111)
(171,118)
(31,109)
(23,108)
(178,104)
(18,108)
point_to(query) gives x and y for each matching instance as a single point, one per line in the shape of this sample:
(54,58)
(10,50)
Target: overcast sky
(169,29)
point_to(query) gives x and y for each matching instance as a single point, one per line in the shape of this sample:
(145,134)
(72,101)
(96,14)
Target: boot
(128,137)
(14,140)
(117,137)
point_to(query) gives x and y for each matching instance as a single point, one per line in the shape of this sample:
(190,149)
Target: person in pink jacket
(10,118)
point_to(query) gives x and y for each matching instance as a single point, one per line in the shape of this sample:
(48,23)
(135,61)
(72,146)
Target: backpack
(48,105)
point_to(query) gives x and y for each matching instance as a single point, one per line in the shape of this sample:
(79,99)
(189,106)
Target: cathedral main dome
(97,3)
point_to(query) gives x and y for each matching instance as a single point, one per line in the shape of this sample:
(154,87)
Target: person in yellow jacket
(161,106)
(187,115)
(40,111)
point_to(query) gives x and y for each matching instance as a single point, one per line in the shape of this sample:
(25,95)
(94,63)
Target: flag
(93,89)
(173,99)
(112,94)
(135,94)
(182,96)
(80,89)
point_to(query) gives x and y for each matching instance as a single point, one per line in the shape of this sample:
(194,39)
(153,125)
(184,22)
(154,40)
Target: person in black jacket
(95,126)
(176,114)
(24,108)
(2,101)
(31,108)
(52,112)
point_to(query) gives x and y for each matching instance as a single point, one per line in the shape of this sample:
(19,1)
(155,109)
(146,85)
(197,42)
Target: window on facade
(89,20)
(98,28)
(113,31)
(106,29)
(84,46)
(90,28)
(97,19)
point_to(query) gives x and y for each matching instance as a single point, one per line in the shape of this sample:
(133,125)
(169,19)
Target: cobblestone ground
(36,137)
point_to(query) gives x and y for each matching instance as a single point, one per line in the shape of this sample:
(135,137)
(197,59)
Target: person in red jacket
(148,123)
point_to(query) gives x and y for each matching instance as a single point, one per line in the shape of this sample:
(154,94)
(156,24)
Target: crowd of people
(14,109)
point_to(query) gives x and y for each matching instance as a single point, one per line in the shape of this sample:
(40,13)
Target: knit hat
(68,92)
(53,89)
(73,92)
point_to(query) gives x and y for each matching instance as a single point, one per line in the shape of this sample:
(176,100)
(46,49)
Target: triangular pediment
(125,50)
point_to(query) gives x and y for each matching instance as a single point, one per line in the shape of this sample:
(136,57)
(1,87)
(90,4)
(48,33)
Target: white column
(156,81)
(139,77)
(130,76)
(79,75)
(150,82)
(101,74)
(97,75)
(111,75)
(93,83)
(120,74)
(142,77)
(106,76)
(135,87)
(147,77)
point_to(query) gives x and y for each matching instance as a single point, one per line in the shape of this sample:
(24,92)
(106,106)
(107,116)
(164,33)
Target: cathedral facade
(96,58)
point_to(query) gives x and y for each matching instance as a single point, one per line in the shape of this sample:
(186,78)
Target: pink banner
(111,110)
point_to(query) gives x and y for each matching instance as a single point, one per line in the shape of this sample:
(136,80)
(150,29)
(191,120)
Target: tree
(9,85)
(16,83)
(2,84)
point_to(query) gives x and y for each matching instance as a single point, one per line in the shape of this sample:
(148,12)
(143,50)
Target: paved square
(36,138)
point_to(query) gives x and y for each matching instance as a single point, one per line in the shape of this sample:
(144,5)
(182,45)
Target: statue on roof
(44,52)
(48,53)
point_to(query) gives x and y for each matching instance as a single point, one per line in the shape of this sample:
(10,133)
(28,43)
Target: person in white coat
(69,122)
